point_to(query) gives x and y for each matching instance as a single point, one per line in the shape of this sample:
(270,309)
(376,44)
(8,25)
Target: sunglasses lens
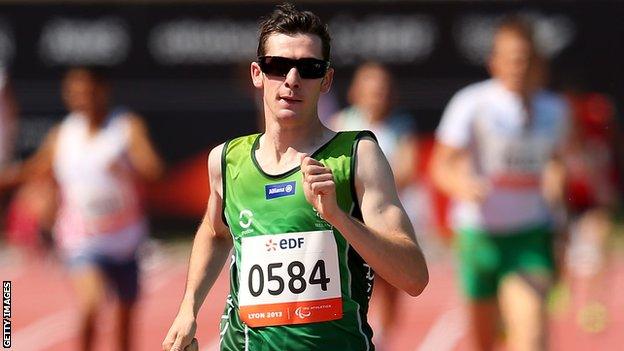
(276,66)
(309,68)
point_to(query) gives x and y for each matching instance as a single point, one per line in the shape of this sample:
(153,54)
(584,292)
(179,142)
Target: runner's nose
(293,80)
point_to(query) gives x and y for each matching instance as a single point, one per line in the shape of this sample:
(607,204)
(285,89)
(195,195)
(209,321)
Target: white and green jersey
(510,147)
(295,282)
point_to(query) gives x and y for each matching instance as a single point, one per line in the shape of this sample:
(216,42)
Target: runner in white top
(100,210)
(497,145)
(510,152)
(96,156)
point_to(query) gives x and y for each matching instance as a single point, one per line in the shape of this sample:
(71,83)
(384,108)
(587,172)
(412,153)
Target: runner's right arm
(451,161)
(451,172)
(211,249)
(38,165)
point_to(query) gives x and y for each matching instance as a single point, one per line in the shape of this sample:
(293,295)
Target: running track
(44,315)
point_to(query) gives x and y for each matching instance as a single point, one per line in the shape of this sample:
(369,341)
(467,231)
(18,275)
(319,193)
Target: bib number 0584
(295,281)
(289,284)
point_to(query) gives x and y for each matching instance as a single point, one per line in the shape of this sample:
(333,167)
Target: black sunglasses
(308,68)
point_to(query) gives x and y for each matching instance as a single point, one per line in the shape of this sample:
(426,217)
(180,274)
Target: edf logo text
(291,243)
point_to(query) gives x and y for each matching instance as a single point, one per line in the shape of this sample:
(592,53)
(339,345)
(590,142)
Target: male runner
(496,140)
(311,214)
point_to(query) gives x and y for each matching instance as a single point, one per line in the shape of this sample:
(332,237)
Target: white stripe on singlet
(359,319)
(246,338)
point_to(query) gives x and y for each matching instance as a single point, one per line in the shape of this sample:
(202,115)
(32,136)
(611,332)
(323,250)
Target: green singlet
(295,282)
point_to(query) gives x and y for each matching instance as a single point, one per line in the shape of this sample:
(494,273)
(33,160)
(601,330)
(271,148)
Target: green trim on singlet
(223,178)
(244,189)
(256,144)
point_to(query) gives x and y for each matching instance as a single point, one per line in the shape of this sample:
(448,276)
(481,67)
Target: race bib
(106,210)
(290,278)
(518,163)
(523,157)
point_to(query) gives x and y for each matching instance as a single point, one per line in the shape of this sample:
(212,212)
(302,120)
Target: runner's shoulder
(474,94)
(214,161)
(246,140)
(554,102)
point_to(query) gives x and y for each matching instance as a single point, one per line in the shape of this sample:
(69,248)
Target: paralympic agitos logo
(301,313)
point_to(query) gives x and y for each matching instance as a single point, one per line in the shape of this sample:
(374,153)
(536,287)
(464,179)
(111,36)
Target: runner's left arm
(142,152)
(554,180)
(386,239)
(211,248)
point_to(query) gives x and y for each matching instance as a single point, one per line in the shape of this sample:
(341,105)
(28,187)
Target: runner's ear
(326,82)
(256,75)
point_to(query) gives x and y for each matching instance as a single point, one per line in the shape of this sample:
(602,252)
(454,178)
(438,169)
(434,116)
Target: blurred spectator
(498,157)
(96,156)
(8,120)
(592,187)
(372,97)
(8,116)
(30,210)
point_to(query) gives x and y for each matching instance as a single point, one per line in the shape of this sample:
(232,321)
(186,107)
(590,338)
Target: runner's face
(373,92)
(291,99)
(511,60)
(84,95)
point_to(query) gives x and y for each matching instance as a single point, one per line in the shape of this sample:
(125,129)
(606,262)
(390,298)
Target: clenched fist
(181,334)
(319,187)
(193,346)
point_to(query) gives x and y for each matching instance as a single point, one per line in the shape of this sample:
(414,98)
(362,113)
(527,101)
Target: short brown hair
(518,26)
(98,74)
(286,19)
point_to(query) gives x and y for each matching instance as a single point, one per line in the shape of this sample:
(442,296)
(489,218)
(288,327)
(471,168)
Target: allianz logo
(273,191)
(287,189)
